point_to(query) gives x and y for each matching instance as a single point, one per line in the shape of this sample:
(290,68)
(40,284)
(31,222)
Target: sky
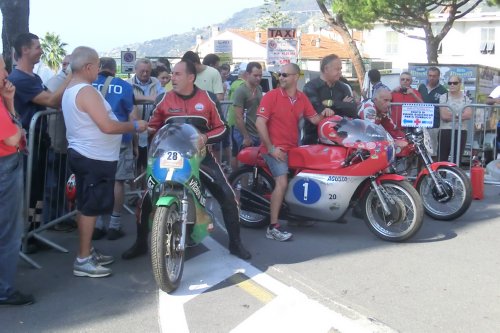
(105,24)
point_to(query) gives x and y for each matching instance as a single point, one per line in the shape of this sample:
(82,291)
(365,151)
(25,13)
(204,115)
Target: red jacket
(198,109)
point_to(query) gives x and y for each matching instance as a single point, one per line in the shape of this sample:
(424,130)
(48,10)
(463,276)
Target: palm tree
(53,50)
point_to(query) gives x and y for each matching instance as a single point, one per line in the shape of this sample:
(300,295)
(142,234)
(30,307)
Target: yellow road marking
(252,288)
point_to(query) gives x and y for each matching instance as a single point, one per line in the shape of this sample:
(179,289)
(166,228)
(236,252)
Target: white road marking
(216,265)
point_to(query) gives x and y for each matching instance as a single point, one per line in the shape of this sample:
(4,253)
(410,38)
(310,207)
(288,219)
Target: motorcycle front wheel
(167,257)
(452,204)
(262,185)
(406,215)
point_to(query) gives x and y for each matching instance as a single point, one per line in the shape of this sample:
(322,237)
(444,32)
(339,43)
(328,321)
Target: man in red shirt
(403,94)
(277,122)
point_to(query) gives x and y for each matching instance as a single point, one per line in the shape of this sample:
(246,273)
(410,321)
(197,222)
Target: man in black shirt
(328,92)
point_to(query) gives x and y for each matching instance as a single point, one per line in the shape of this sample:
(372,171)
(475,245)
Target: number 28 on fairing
(307,191)
(171,159)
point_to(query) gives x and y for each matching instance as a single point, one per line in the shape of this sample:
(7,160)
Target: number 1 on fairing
(306,187)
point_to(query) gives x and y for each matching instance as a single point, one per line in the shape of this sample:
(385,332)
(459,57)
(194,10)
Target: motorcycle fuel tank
(321,197)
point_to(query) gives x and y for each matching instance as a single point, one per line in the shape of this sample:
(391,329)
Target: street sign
(224,49)
(282,33)
(281,51)
(128,61)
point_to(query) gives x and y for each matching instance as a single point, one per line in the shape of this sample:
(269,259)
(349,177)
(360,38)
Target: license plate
(171,160)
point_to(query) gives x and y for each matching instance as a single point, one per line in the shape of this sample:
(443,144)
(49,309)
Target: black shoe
(67,225)
(98,234)
(191,243)
(238,250)
(114,234)
(136,250)
(18,299)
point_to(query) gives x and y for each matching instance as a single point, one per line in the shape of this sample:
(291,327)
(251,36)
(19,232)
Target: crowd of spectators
(106,138)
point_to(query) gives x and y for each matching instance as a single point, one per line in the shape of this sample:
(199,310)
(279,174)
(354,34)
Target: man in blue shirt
(32,96)
(119,94)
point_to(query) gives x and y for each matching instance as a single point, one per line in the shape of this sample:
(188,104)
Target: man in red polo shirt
(403,94)
(277,122)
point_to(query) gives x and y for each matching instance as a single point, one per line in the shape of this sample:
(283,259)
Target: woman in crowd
(456,100)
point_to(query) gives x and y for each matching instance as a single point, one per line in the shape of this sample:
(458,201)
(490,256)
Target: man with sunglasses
(327,92)
(277,123)
(403,94)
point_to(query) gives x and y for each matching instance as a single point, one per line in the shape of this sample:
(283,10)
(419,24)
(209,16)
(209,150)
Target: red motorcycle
(445,189)
(346,169)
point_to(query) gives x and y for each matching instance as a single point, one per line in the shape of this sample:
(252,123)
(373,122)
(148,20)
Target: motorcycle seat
(317,157)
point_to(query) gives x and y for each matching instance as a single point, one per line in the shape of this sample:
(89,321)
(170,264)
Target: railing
(53,183)
(483,125)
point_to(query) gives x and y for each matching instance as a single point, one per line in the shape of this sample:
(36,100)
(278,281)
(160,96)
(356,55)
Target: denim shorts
(277,167)
(95,183)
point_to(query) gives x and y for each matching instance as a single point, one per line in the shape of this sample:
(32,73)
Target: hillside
(301,12)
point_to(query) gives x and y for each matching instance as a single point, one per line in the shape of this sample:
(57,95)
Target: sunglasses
(286,74)
(405,79)
(455,83)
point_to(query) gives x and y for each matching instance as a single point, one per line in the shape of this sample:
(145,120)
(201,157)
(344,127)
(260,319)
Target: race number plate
(171,160)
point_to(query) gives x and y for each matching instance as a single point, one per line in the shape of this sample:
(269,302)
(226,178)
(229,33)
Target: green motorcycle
(177,198)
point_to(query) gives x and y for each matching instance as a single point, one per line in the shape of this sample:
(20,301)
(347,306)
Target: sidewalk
(127,300)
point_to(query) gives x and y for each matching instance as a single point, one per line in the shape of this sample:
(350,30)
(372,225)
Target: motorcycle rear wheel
(167,258)
(406,213)
(459,188)
(263,185)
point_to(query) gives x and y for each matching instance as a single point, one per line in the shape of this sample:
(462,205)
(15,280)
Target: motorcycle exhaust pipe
(254,203)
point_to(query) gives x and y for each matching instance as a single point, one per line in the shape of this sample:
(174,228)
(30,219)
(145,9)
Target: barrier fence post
(47,221)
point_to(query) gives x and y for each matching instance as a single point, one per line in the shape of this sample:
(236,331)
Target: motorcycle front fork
(184,217)
(424,154)
(383,196)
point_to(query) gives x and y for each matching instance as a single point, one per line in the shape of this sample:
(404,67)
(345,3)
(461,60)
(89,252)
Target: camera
(403,90)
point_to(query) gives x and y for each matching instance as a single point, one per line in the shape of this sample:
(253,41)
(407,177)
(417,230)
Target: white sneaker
(277,234)
(90,268)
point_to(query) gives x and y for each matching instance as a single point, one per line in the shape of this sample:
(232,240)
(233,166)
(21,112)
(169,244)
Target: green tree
(53,50)
(15,14)
(337,23)
(271,15)
(406,16)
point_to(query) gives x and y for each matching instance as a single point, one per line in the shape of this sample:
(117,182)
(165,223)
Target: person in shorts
(119,94)
(279,113)
(94,138)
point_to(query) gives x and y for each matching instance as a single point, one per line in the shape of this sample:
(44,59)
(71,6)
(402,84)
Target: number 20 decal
(332,196)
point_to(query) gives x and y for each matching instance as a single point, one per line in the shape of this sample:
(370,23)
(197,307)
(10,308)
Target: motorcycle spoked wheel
(406,213)
(458,187)
(262,185)
(167,258)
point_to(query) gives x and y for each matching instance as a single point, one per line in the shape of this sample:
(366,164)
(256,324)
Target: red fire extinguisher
(477,179)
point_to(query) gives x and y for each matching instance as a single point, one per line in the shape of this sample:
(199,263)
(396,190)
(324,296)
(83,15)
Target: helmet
(71,188)
(327,131)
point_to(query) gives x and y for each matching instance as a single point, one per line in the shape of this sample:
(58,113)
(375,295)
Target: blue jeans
(277,167)
(11,220)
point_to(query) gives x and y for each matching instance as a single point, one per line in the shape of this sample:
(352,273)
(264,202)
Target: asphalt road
(330,278)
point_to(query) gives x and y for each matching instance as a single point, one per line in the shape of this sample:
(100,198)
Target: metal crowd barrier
(484,120)
(55,175)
